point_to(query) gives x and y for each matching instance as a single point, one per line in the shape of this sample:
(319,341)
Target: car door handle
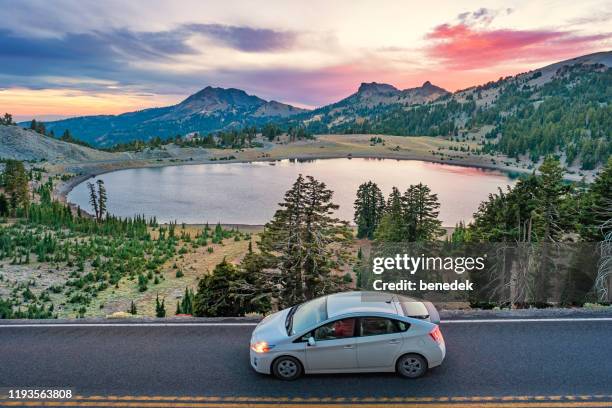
(394,341)
(348,347)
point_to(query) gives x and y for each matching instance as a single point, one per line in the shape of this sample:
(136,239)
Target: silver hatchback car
(351,332)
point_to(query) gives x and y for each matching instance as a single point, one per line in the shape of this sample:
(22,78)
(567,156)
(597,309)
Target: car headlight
(261,347)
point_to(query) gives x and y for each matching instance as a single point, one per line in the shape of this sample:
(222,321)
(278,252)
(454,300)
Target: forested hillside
(564,109)
(572,113)
(209,110)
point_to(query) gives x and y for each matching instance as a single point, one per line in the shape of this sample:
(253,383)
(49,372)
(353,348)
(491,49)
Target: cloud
(247,39)
(97,54)
(96,59)
(465,47)
(602,16)
(482,16)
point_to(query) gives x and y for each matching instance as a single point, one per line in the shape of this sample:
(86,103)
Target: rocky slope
(21,144)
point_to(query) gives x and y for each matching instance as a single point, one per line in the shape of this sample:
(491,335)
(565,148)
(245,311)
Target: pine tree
(596,207)
(4,205)
(420,207)
(93,200)
(218,293)
(369,207)
(132,310)
(101,199)
(16,185)
(309,241)
(549,223)
(7,120)
(160,307)
(187,302)
(392,227)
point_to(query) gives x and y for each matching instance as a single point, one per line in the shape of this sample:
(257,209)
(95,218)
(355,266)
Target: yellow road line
(144,401)
(141,404)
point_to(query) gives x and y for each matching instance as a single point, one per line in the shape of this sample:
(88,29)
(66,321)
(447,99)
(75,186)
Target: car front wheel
(287,368)
(411,366)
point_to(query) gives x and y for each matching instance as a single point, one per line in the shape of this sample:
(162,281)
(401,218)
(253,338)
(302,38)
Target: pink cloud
(463,47)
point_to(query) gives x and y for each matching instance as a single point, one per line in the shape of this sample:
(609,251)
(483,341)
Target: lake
(248,193)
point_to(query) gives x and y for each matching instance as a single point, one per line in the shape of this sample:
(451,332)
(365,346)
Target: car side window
(339,329)
(375,326)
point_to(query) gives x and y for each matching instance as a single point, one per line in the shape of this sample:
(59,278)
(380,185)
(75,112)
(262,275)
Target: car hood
(271,329)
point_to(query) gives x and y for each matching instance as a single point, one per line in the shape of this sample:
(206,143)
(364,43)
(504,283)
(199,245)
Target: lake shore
(428,149)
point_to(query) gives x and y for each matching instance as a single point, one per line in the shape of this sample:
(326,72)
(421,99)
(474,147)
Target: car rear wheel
(287,368)
(411,366)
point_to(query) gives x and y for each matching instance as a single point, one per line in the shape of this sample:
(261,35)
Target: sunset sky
(68,58)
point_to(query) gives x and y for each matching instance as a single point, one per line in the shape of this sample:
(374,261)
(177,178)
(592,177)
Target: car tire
(287,368)
(411,366)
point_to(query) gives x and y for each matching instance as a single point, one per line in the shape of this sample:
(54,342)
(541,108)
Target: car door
(379,342)
(334,348)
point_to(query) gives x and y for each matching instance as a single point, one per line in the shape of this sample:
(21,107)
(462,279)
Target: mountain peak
(431,88)
(376,87)
(217,92)
(213,98)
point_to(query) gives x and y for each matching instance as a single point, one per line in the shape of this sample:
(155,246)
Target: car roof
(362,302)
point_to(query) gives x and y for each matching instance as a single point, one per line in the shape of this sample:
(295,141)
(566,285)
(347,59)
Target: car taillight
(261,347)
(436,335)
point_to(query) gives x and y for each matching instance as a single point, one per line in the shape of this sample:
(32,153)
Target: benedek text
(421,285)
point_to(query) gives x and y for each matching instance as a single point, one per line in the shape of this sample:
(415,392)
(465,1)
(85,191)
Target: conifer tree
(308,240)
(132,310)
(101,199)
(93,200)
(392,227)
(187,302)
(7,120)
(219,292)
(596,208)
(369,207)
(16,185)
(420,208)
(4,205)
(160,307)
(549,200)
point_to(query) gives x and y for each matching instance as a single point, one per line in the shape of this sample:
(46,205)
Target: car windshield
(307,315)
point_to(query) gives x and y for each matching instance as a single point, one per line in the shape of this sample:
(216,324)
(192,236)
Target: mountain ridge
(208,110)
(378,107)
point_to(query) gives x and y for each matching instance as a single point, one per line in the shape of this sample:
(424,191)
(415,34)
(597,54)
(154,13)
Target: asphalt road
(483,359)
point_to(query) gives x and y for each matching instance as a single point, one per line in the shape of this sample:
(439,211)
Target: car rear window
(413,308)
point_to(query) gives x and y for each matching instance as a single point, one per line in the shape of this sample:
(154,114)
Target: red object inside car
(344,328)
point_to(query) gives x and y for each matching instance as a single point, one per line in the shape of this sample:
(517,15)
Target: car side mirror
(311,341)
